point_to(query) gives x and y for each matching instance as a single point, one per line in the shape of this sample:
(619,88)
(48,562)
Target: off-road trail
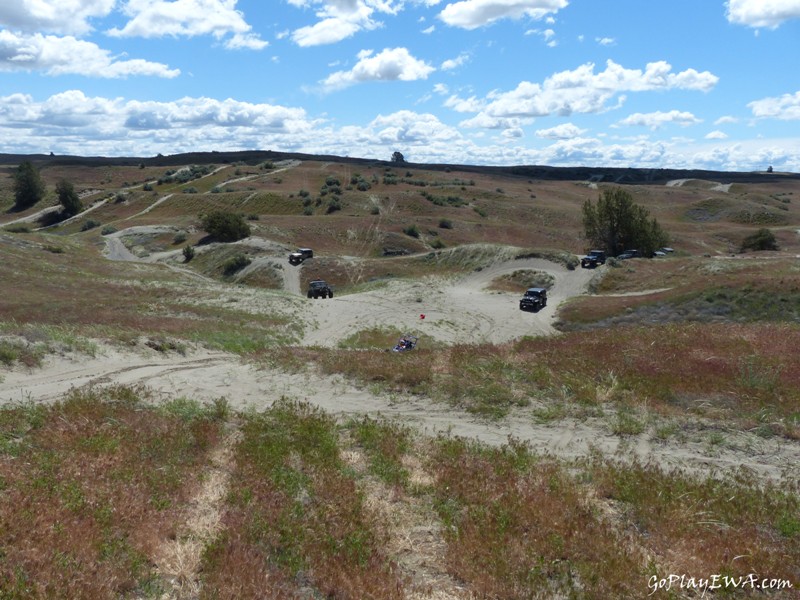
(457,310)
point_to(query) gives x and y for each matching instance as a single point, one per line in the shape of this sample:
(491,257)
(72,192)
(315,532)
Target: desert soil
(457,310)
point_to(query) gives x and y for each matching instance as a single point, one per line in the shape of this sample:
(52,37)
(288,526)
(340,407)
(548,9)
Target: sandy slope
(457,310)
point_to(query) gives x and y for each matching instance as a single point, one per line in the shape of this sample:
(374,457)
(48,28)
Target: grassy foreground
(96,486)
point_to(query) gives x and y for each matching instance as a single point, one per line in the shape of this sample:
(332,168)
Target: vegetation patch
(522,279)
(91,486)
(295,517)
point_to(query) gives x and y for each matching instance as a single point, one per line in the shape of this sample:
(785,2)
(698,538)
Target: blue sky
(702,84)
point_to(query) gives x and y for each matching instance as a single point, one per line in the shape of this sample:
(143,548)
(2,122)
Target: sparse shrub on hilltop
(71,204)
(225,226)
(28,186)
(235,264)
(411,230)
(616,224)
(763,239)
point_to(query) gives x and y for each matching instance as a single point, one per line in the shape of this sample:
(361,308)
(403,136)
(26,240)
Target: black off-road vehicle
(300,255)
(593,259)
(534,299)
(319,289)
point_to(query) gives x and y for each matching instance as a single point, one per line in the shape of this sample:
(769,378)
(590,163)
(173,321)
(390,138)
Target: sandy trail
(457,310)
(207,376)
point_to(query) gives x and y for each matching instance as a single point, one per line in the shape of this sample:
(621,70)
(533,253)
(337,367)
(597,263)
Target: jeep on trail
(319,289)
(534,299)
(300,255)
(594,258)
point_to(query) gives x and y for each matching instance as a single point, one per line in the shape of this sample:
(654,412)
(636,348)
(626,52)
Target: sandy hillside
(457,310)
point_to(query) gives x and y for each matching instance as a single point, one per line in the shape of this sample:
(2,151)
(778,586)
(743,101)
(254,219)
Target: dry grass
(93,488)
(97,487)
(90,487)
(295,519)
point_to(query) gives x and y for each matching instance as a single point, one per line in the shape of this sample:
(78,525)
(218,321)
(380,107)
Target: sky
(683,84)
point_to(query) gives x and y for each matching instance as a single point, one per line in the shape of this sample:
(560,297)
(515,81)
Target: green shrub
(90,224)
(333,206)
(237,263)
(188,253)
(225,226)
(445,224)
(108,230)
(18,228)
(411,230)
(180,237)
(763,239)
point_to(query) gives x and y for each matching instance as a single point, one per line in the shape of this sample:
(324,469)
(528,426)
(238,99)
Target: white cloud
(412,128)
(53,16)
(464,105)
(606,41)
(73,123)
(340,19)
(762,13)
(454,63)
(160,18)
(66,55)
(584,91)
(726,120)
(484,121)
(392,64)
(658,119)
(565,131)
(716,135)
(548,35)
(786,107)
(471,14)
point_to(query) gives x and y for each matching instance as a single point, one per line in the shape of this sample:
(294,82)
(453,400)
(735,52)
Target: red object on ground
(422,316)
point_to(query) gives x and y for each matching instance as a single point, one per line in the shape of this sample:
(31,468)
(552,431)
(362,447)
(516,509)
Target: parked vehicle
(593,259)
(300,255)
(629,254)
(318,288)
(406,343)
(533,300)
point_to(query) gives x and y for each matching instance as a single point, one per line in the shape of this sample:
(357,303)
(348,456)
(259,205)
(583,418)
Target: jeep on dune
(594,258)
(319,289)
(300,255)
(534,299)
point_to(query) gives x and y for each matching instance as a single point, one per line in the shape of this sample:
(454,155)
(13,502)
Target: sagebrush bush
(225,226)
(237,263)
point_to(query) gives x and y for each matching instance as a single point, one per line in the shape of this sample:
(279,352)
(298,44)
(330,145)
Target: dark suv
(319,289)
(300,255)
(534,299)
(594,258)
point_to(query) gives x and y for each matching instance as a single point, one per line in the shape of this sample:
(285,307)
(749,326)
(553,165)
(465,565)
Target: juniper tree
(28,186)
(616,223)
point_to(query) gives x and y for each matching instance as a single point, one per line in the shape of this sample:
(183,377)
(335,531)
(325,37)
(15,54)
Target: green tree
(68,198)
(616,224)
(28,186)
(763,239)
(225,226)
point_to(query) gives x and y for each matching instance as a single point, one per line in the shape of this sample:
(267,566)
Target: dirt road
(457,310)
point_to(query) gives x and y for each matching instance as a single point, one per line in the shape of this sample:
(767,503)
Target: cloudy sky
(708,84)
